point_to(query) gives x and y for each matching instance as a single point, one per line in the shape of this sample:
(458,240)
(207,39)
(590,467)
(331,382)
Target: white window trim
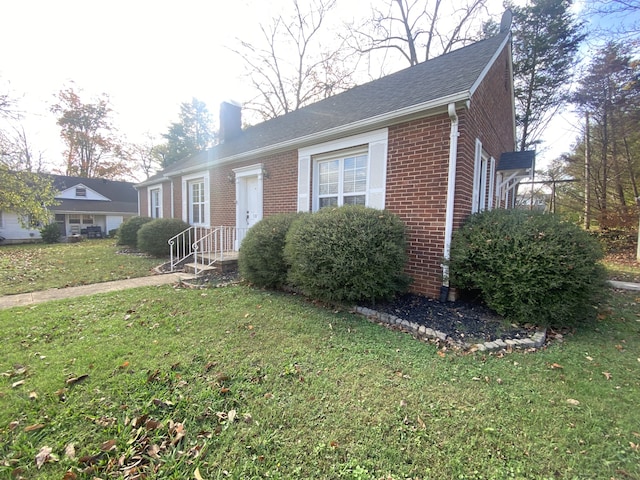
(207,197)
(483,164)
(150,200)
(377,139)
(340,156)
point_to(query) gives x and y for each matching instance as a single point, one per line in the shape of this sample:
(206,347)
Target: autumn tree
(147,155)
(22,191)
(609,90)
(546,41)
(192,133)
(295,62)
(418,30)
(93,148)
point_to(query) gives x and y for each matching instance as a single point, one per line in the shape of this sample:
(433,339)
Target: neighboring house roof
(108,196)
(428,85)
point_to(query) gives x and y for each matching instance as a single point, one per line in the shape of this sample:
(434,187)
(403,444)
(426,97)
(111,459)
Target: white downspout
(451,195)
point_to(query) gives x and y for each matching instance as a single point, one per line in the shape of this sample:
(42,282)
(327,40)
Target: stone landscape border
(535,341)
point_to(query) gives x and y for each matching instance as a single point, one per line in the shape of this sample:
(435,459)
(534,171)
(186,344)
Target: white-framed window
(196,201)
(343,180)
(155,203)
(350,170)
(77,219)
(81,191)
(196,198)
(483,180)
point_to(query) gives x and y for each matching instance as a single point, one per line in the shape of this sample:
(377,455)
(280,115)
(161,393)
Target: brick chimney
(230,121)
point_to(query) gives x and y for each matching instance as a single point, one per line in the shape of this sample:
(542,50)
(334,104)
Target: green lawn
(34,267)
(240,383)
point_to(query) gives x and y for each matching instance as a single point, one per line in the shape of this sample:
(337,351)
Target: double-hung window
(196,202)
(155,205)
(343,180)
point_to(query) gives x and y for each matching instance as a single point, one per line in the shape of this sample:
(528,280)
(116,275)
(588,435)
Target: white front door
(254,205)
(249,186)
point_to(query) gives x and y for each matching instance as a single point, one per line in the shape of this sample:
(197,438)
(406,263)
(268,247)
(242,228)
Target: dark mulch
(464,321)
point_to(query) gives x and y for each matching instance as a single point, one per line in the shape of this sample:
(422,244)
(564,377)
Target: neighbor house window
(342,181)
(196,202)
(75,219)
(81,192)
(155,205)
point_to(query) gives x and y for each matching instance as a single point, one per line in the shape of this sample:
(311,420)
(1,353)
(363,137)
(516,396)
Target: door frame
(243,174)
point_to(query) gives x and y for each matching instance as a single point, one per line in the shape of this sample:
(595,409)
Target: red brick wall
(416,190)
(280,187)
(490,119)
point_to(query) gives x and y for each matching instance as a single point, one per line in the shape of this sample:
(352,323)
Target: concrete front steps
(228,264)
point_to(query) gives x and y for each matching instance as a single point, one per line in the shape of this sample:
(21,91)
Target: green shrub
(529,267)
(153,237)
(113,233)
(50,233)
(128,231)
(347,254)
(261,257)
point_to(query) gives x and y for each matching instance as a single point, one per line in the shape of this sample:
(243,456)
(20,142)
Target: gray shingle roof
(442,77)
(123,196)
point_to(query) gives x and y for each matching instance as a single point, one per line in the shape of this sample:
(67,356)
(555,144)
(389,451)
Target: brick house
(424,143)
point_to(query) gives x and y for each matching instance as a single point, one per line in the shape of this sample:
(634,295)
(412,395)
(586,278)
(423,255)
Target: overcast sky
(148,56)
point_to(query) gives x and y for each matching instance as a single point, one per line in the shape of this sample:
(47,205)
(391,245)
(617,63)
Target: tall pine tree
(190,135)
(545,46)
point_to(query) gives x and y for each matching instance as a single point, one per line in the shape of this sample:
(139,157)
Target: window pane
(329,202)
(355,200)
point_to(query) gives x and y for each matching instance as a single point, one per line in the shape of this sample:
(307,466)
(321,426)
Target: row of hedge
(527,266)
(346,254)
(149,235)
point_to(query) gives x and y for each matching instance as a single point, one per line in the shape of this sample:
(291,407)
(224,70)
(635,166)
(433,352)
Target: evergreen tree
(190,135)
(545,46)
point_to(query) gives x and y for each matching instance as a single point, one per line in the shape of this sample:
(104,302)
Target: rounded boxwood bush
(529,267)
(153,236)
(50,233)
(261,256)
(347,254)
(128,231)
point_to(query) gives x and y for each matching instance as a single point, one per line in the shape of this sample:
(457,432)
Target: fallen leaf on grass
(197,475)
(69,475)
(124,365)
(33,428)
(43,456)
(70,451)
(634,446)
(571,401)
(75,380)
(607,375)
(13,425)
(33,396)
(17,384)
(556,365)
(108,446)
(441,354)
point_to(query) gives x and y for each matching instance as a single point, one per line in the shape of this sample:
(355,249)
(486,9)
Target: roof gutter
(451,194)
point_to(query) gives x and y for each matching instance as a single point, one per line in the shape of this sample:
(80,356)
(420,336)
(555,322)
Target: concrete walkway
(22,299)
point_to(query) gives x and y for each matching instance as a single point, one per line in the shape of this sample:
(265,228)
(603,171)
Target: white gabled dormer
(81,192)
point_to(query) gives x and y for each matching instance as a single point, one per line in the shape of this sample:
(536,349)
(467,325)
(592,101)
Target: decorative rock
(430,332)
(441,335)
(500,343)
(422,330)
(480,347)
(490,345)
(510,342)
